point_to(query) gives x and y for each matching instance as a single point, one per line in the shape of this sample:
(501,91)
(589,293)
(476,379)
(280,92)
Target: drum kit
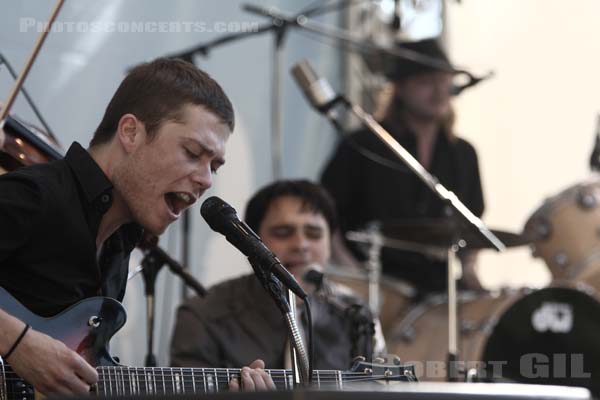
(524,335)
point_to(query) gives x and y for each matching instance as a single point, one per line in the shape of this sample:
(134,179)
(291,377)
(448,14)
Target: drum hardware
(433,252)
(435,235)
(562,260)
(586,199)
(374,267)
(542,229)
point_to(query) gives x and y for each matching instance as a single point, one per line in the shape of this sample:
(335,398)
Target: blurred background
(533,124)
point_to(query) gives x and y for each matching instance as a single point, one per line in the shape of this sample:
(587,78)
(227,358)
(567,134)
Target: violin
(25,144)
(21,143)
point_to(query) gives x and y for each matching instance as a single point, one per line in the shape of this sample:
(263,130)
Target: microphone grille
(212,209)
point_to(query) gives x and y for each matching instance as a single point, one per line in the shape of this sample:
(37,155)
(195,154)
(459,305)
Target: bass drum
(566,229)
(549,336)
(545,336)
(422,336)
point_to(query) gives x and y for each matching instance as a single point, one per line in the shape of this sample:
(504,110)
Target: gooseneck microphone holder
(286,302)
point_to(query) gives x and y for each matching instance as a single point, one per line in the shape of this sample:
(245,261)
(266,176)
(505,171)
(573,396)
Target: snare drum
(566,229)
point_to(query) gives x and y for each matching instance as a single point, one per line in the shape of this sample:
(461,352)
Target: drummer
(419,116)
(237,319)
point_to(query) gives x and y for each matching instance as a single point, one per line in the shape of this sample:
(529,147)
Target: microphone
(222,218)
(317,90)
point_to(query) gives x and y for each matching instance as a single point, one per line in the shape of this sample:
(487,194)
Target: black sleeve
(473,189)
(339,178)
(20,208)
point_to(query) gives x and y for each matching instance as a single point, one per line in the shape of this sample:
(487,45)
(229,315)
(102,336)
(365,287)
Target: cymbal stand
(453,332)
(375,240)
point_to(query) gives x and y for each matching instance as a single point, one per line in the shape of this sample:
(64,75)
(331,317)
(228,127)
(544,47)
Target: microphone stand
(279,27)
(287,306)
(154,259)
(150,268)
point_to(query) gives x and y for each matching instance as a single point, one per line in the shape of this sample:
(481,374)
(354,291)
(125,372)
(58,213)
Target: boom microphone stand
(322,97)
(153,261)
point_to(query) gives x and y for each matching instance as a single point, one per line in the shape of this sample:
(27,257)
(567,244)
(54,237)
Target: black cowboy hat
(420,56)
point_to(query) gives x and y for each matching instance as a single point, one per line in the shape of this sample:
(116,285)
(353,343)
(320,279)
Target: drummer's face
(298,236)
(426,95)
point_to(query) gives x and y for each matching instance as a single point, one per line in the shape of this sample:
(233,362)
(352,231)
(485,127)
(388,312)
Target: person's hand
(51,367)
(253,378)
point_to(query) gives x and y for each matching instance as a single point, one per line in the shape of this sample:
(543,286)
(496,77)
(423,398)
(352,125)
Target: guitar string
(140,389)
(198,378)
(174,372)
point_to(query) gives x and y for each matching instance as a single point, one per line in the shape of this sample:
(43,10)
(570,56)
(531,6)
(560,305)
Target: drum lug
(408,334)
(542,228)
(586,200)
(561,259)
(468,326)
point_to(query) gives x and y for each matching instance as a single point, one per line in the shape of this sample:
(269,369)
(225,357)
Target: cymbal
(442,233)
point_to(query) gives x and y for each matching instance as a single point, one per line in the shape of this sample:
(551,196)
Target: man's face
(298,237)
(161,178)
(426,95)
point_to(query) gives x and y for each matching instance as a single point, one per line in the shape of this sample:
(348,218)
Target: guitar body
(86,327)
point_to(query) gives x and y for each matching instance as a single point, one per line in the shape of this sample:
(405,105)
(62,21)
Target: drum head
(550,336)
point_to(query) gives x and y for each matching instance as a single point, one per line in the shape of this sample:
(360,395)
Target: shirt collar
(97,189)
(91,178)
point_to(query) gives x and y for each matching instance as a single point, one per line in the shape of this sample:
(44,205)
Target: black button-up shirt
(49,220)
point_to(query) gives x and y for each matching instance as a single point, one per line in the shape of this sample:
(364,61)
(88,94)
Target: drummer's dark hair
(156,92)
(313,196)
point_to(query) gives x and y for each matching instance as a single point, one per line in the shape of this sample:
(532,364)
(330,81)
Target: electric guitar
(87,327)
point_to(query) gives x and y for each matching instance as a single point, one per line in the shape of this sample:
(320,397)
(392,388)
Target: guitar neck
(119,381)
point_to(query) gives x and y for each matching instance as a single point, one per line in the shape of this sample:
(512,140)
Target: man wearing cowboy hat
(366,188)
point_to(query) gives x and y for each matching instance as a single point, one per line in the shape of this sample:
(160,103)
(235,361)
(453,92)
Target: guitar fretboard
(119,381)
(123,381)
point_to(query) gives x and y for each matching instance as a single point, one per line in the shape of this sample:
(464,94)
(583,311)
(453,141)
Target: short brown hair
(155,92)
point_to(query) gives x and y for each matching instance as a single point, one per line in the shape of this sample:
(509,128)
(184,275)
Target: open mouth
(179,201)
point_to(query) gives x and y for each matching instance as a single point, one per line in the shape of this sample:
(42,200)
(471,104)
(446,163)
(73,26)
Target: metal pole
(452,315)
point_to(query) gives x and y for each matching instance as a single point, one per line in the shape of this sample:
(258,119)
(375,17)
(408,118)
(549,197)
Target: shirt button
(105,198)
